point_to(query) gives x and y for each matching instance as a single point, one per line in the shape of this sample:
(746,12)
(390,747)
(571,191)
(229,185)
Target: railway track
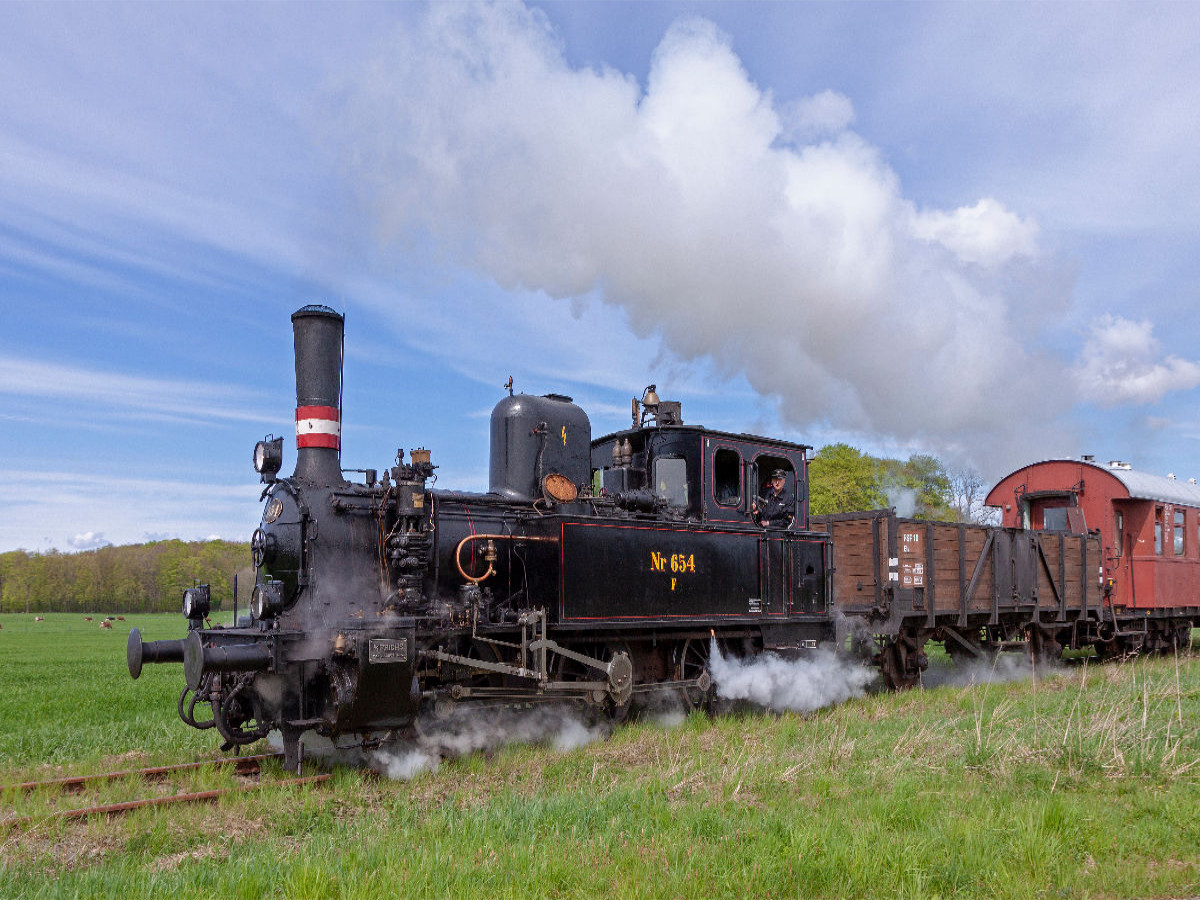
(245,766)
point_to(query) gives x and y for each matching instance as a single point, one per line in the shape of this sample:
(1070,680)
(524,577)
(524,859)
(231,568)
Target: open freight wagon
(901,582)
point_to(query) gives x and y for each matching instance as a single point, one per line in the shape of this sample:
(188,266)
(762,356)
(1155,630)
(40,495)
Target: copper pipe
(491,569)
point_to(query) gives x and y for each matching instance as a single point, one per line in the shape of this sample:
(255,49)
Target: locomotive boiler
(592,572)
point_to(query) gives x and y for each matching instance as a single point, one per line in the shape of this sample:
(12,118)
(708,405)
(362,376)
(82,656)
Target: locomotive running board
(464,692)
(544,685)
(521,671)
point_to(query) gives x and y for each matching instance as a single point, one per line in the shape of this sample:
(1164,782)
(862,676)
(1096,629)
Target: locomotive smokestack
(319,336)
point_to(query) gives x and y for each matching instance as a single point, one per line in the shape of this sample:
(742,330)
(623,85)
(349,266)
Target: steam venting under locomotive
(592,572)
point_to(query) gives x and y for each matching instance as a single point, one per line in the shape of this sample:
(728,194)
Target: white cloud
(985,233)
(89,540)
(1122,363)
(803,267)
(823,114)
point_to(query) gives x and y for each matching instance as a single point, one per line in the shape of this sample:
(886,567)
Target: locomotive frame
(598,573)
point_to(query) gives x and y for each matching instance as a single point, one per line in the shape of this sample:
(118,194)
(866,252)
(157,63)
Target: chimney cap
(317,309)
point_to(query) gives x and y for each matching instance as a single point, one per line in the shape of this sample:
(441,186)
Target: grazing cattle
(39,618)
(87,618)
(120,618)
(106,624)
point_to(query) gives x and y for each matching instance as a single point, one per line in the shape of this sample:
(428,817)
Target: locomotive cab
(702,475)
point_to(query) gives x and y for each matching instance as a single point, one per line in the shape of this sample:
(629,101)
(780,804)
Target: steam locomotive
(594,572)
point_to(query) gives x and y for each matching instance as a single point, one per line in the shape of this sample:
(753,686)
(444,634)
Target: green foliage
(920,488)
(134,578)
(844,479)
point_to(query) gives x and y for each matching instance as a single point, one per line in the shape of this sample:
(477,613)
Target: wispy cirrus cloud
(130,394)
(49,509)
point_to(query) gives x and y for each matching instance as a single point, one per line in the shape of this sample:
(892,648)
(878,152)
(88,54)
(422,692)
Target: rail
(245,766)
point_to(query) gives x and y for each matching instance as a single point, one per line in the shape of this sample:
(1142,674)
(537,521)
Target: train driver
(776,507)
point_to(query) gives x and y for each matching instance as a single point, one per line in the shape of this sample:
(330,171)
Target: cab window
(765,465)
(670,480)
(727,477)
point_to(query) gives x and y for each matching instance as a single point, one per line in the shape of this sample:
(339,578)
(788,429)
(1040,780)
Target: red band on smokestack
(318,426)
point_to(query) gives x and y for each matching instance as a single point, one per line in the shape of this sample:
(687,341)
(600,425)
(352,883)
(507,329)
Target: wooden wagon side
(976,588)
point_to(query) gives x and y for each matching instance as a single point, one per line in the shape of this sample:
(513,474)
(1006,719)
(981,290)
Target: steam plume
(763,235)
(814,681)
(472,731)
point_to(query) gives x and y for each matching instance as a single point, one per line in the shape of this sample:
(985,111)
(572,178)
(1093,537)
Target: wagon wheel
(1044,647)
(901,664)
(613,705)
(1182,638)
(691,663)
(619,701)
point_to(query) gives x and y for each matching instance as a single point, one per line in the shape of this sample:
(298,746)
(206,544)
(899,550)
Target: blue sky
(964,229)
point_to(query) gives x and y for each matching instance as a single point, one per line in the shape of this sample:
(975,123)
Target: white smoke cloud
(814,681)
(1122,362)
(764,236)
(999,669)
(469,731)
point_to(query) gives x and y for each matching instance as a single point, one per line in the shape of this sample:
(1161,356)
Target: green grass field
(1082,784)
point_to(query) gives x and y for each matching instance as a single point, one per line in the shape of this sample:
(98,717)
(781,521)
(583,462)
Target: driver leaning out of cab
(776,507)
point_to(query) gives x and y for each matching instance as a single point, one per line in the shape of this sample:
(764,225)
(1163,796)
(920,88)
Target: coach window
(1054,518)
(670,480)
(1179,532)
(1119,528)
(727,477)
(1158,535)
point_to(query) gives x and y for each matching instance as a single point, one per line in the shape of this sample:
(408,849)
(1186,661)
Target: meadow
(1080,783)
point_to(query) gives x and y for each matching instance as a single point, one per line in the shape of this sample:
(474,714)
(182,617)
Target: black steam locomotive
(595,572)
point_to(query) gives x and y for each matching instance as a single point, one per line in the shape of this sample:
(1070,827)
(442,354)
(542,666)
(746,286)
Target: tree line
(135,578)
(844,479)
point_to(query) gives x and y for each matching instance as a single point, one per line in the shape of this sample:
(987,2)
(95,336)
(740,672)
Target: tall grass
(1081,784)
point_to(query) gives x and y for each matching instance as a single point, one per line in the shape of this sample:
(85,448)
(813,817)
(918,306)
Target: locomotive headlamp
(267,600)
(268,457)
(197,602)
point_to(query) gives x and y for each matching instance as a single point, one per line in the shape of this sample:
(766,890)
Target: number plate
(386,650)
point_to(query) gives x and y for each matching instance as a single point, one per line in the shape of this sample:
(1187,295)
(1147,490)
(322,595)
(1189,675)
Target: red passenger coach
(1150,533)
